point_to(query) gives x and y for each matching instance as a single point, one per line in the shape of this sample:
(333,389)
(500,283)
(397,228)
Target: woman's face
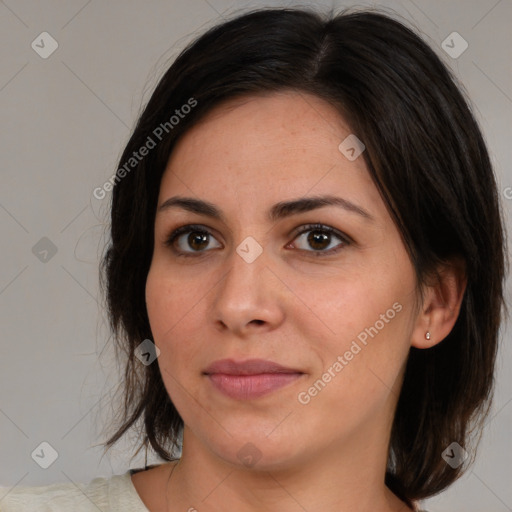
(337,308)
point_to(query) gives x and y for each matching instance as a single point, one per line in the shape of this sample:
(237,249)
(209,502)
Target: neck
(339,478)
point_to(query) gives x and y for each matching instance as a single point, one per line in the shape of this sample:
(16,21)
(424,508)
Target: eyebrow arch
(278,211)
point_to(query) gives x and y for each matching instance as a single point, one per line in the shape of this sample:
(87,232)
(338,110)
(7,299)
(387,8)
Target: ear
(441,305)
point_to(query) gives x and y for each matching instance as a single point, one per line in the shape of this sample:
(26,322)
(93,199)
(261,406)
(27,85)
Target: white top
(114,494)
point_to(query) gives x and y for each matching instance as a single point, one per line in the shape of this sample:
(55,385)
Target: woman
(306,273)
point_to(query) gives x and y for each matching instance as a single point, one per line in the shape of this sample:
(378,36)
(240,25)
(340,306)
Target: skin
(287,306)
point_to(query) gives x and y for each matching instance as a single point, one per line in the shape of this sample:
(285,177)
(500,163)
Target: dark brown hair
(426,155)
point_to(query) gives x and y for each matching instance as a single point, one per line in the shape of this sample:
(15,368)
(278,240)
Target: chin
(257,452)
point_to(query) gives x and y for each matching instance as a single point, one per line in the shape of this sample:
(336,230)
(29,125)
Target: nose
(250,297)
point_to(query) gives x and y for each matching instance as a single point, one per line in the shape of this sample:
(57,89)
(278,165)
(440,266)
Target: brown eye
(319,238)
(198,240)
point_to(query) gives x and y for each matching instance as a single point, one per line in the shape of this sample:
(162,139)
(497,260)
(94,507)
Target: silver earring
(427,335)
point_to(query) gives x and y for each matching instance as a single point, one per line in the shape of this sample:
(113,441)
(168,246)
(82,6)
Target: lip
(248,367)
(246,380)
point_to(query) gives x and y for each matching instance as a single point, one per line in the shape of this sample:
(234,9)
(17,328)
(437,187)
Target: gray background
(64,121)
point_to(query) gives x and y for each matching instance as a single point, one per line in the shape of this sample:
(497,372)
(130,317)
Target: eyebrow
(278,211)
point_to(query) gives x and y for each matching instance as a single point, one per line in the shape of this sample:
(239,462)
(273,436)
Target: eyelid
(322,227)
(186,228)
(345,239)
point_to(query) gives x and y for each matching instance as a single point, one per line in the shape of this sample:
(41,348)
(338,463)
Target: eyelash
(191,228)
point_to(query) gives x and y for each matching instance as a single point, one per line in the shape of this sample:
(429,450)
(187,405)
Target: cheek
(170,316)
(335,310)
(169,304)
(363,317)
(358,380)
(175,319)
(158,305)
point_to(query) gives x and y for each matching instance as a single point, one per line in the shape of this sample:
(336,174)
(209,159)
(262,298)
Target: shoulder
(150,484)
(112,494)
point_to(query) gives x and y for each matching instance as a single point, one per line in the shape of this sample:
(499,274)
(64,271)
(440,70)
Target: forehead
(267,148)
(273,125)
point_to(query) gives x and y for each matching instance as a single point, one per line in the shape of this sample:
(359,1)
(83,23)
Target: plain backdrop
(64,121)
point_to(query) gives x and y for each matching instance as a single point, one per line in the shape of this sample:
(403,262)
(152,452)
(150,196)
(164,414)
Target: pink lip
(249,379)
(248,367)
